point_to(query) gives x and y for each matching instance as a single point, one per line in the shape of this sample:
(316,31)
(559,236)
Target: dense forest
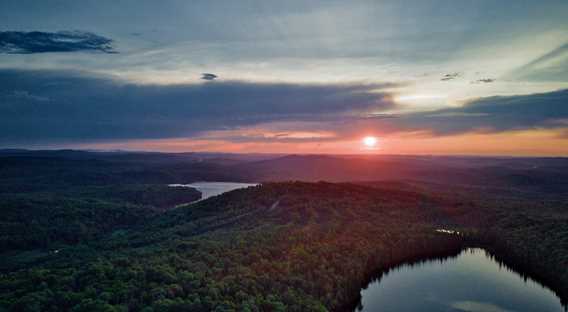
(78,214)
(109,242)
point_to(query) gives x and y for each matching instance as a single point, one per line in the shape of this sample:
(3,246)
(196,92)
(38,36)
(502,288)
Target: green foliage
(240,252)
(81,214)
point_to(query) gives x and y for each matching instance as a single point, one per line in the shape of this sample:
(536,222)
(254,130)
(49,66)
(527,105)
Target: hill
(103,232)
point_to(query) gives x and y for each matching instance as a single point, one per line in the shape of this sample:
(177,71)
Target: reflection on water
(445,231)
(209,189)
(472,282)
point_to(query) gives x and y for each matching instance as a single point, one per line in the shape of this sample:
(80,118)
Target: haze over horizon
(410,77)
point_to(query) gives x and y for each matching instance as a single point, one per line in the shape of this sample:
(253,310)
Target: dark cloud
(80,108)
(27,42)
(451,76)
(492,114)
(483,115)
(55,106)
(208,76)
(484,80)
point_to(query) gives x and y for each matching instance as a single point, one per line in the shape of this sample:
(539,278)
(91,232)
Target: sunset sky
(423,77)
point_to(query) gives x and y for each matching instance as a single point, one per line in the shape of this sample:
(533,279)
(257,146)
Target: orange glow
(516,143)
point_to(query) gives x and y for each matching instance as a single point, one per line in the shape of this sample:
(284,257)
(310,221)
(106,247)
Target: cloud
(448,77)
(551,66)
(18,94)
(555,53)
(490,114)
(42,106)
(482,115)
(27,42)
(208,76)
(484,80)
(83,107)
(476,306)
(267,134)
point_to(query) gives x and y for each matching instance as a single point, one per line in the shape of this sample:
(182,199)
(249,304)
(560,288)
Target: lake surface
(472,282)
(209,189)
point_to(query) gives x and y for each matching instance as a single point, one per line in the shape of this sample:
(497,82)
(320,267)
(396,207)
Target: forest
(93,238)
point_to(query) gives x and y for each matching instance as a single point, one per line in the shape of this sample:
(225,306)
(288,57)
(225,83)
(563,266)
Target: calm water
(209,189)
(470,282)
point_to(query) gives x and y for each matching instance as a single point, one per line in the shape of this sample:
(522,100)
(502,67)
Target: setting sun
(370,141)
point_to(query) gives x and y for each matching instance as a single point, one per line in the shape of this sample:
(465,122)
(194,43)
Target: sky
(470,77)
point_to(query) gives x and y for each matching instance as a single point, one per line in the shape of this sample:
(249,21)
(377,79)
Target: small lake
(209,189)
(472,282)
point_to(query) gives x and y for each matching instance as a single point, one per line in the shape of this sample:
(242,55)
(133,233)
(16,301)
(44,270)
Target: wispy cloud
(561,50)
(208,76)
(27,42)
(551,66)
(484,80)
(452,76)
(25,95)
(475,306)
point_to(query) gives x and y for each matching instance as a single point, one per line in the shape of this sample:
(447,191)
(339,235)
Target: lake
(209,189)
(473,282)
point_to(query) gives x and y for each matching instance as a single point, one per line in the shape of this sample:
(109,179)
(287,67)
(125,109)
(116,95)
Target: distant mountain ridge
(540,174)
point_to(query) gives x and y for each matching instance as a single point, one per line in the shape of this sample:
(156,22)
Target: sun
(370,141)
